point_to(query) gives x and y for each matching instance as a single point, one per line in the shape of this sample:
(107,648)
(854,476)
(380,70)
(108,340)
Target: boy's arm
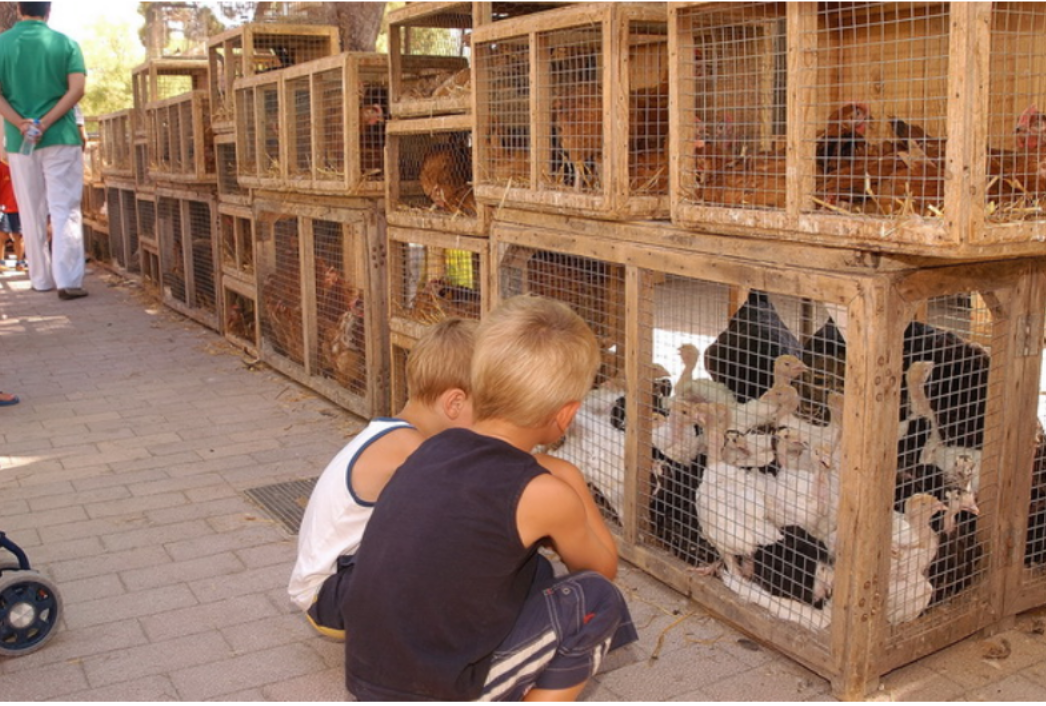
(571,475)
(551,507)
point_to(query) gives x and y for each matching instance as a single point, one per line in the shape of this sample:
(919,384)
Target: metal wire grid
(429,284)
(237,243)
(116,141)
(171,85)
(374,109)
(595,290)
(446,34)
(117,244)
(341,308)
(435,173)
(1016,169)
(944,421)
(228,181)
(240,317)
(175,138)
(129,221)
(299,126)
(271,52)
(247,139)
(172,256)
(648,146)
(201,230)
(734,80)
(330,139)
(398,368)
(147,220)
(269,129)
(226,65)
(142,177)
(504,113)
(281,292)
(150,268)
(881,105)
(574,128)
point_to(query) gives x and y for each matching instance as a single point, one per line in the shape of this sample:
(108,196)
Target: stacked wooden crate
(437,235)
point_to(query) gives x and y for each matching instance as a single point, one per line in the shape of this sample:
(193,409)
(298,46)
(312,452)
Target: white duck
(912,550)
(961,465)
(730,505)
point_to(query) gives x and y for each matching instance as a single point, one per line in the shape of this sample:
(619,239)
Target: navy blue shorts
(325,612)
(10,223)
(561,637)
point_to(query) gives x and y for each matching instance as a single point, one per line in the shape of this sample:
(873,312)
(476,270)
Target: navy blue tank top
(441,574)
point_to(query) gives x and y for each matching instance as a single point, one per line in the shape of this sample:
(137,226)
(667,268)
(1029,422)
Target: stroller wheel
(29,610)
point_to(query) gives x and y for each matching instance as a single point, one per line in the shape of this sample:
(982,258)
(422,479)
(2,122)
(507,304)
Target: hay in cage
(341,308)
(281,293)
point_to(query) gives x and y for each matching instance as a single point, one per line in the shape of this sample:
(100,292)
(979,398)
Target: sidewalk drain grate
(284,501)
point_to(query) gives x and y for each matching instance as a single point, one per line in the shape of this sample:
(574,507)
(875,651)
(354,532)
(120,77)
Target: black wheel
(29,610)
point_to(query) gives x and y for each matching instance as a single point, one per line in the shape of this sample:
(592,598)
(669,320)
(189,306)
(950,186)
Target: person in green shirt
(42,78)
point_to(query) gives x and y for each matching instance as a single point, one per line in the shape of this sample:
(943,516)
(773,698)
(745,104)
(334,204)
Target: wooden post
(802,126)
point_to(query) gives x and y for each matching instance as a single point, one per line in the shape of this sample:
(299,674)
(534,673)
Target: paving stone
(243,583)
(253,670)
(247,534)
(144,689)
(130,606)
(155,659)
(322,686)
(69,645)
(208,617)
(109,563)
(130,505)
(90,589)
(183,571)
(269,632)
(43,683)
(155,535)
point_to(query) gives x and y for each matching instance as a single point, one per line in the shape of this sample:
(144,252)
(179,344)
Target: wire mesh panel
(237,242)
(172,253)
(201,220)
(142,178)
(597,122)
(595,289)
(429,183)
(283,328)
(433,276)
(146,208)
(116,141)
(241,318)
(151,275)
(183,140)
(229,189)
(117,241)
(260,48)
(429,49)
(300,130)
(129,221)
(341,305)
(322,292)
(733,89)
(1016,166)
(96,242)
(162,78)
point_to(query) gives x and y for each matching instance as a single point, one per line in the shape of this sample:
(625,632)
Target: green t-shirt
(35,63)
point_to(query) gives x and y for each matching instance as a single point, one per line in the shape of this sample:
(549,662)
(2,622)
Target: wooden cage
(116,139)
(187,238)
(321,289)
(93,204)
(162,78)
(181,145)
(298,130)
(96,240)
(429,182)
(903,127)
(143,178)
(227,173)
(122,208)
(571,111)
(488,12)
(260,48)
(429,71)
(148,246)
(92,161)
(830,390)
(239,283)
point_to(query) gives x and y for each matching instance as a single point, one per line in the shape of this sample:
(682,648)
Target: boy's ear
(453,402)
(565,415)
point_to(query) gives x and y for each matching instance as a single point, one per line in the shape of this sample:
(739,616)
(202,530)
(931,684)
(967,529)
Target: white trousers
(50,181)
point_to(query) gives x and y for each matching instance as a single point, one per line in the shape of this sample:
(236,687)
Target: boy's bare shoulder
(378,462)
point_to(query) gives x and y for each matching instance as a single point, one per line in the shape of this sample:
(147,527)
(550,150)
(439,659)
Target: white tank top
(335,518)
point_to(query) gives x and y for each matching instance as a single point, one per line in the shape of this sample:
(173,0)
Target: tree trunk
(358,22)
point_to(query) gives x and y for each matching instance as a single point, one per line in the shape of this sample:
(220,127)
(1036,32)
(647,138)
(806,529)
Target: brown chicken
(843,138)
(1013,177)
(648,140)
(344,347)
(715,147)
(439,299)
(578,120)
(446,175)
(282,301)
(759,181)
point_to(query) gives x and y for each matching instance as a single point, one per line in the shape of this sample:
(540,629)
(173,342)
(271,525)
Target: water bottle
(31,137)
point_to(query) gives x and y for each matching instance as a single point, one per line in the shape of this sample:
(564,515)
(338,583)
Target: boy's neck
(523,438)
(422,418)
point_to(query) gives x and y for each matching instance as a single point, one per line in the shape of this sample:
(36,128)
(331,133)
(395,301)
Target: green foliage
(110,53)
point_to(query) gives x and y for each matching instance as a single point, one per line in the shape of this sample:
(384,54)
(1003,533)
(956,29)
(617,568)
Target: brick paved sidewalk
(123,474)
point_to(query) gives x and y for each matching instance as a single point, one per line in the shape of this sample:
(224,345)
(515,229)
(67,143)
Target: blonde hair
(533,356)
(441,360)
